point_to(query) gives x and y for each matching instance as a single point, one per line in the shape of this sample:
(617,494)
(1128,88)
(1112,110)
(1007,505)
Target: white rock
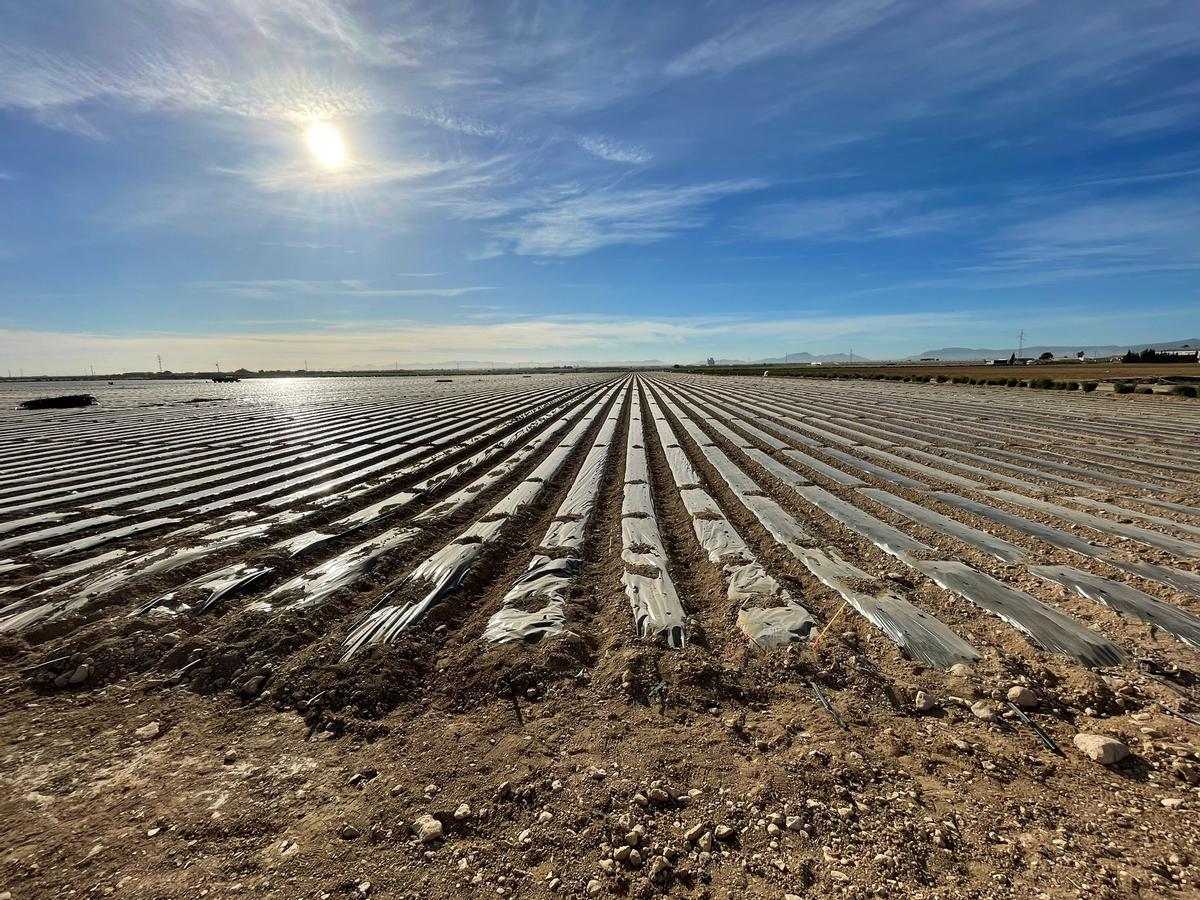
(149,732)
(594,887)
(923,702)
(1100,748)
(982,709)
(427,829)
(463,812)
(1023,697)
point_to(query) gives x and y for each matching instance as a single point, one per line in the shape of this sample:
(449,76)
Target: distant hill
(793,359)
(1062,350)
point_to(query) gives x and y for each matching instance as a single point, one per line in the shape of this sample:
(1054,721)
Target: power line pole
(1021,343)
(159,355)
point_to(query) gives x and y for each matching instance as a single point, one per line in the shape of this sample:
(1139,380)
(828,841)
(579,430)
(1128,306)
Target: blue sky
(591,181)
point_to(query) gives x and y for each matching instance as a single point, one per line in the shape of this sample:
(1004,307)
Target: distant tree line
(1150,355)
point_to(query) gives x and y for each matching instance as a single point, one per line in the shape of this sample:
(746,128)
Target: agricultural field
(599,634)
(1058,371)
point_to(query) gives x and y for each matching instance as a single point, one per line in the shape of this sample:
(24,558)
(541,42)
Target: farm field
(557,635)
(1066,371)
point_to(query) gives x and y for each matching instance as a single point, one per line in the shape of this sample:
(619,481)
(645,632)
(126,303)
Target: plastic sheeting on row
(653,598)
(921,635)
(935,521)
(766,613)
(1126,599)
(546,580)
(337,572)
(1049,628)
(1155,539)
(441,574)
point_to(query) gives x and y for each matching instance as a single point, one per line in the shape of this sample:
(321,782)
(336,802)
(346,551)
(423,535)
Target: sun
(325,144)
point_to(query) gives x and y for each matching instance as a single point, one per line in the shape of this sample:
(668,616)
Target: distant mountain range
(1063,350)
(795,359)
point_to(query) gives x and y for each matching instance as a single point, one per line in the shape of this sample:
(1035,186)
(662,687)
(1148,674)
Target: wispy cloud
(267,289)
(1108,236)
(446,119)
(856,217)
(301,176)
(796,27)
(198,55)
(613,151)
(303,245)
(1149,120)
(590,220)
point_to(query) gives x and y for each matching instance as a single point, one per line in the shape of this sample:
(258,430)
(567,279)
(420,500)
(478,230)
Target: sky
(352,183)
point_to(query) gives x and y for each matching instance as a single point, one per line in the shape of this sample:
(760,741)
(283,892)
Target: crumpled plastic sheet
(776,626)
(222,583)
(333,574)
(722,544)
(919,634)
(547,578)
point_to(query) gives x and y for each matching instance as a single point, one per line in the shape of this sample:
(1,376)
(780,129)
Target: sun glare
(325,144)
